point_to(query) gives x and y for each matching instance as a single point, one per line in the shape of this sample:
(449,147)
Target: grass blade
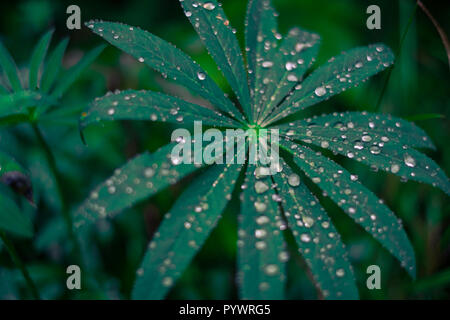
(9,67)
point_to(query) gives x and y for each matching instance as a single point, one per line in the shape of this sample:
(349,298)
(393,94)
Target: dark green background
(419,85)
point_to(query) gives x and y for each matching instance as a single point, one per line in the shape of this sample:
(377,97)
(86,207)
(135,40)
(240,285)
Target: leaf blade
(213,27)
(53,66)
(325,256)
(152,106)
(73,73)
(357,201)
(339,74)
(261,255)
(37,59)
(184,230)
(166,59)
(9,67)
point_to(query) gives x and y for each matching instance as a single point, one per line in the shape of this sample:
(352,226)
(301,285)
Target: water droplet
(305,237)
(409,161)
(324,144)
(294,180)
(111,111)
(167,281)
(340,273)
(209,6)
(141,59)
(271,269)
(261,187)
(320,91)
(260,206)
(395,168)
(262,220)
(201,75)
(290,66)
(149,172)
(260,233)
(308,221)
(267,64)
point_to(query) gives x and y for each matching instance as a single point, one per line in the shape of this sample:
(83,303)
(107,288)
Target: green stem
(399,51)
(65,209)
(18,262)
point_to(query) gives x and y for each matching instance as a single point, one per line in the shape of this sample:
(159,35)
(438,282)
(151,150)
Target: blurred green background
(419,85)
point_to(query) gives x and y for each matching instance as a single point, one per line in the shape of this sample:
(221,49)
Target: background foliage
(418,85)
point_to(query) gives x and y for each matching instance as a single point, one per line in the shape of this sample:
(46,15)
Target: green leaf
(294,57)
(139,179)
(11,218)
(317,238)
(53,66)
(213,27)
(8,164)
(261,43)
(151,106)
(339,74)
(74,72)
(165,58)
(354,125)
(37,59)
(3,91)
(16,107)
(377,140)
(184,230)
(261,255)
(9,67)
(357,201)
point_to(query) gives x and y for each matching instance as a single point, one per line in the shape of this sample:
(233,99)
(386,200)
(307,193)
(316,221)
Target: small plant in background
(273,87)
(28,98)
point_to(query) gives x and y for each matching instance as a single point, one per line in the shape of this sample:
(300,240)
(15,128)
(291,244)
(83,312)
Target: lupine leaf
(382,143)
(9,67)
(261,39)
(341,73)
(357,201)
(317,238)
(261,255)
(71,75)
(293,58)
(15,107)
(353,125)
(184,230)
(165,58)
(152,106)
(11,218)
(213,27)
(140,178)
(53,66)
(37,59)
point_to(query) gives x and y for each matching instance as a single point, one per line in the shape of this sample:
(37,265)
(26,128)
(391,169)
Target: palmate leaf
(261,40)
(140,178)
(340,73)
(357,201)
(165,58)
(261,255)
(152,106)
(317,239)
(9,67)
(37,59)
(292,60)
(11,218)
(184,230)
(383,142)
(213,27)
(53,66)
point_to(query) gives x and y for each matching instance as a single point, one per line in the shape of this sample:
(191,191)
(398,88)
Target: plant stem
(18,262)
(399,50)
(65,209)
